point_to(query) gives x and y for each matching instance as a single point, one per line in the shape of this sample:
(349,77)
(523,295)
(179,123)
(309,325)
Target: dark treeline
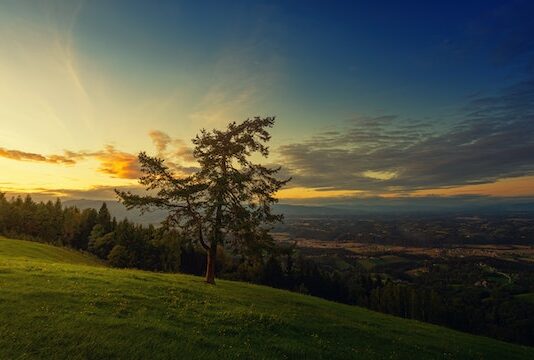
(493,312)
(121,243)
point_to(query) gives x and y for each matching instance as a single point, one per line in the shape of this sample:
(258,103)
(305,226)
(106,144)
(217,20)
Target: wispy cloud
(161,140)
(63,23)
(42,78)
(97,192)
(245,74)
(114,162)
(28,156)
(493,139)
(178,155)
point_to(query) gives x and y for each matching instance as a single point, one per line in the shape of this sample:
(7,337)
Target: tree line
(121,243)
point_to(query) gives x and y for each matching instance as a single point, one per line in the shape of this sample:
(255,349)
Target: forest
(445,293)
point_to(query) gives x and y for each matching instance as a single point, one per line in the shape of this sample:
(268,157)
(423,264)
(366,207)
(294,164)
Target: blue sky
(84,76)
(358,56)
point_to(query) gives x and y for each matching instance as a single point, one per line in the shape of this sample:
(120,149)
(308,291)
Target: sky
(377,99)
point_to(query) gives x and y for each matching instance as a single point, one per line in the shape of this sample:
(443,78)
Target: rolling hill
(60,304)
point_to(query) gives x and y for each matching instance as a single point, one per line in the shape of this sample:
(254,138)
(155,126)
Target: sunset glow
(80,101)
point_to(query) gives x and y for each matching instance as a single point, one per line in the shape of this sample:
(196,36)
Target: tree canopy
(227,201)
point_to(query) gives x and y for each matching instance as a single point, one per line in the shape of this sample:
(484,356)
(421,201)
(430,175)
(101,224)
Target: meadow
(58,303)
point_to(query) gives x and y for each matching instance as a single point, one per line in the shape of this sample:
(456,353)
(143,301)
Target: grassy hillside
(28,251)
(56,303)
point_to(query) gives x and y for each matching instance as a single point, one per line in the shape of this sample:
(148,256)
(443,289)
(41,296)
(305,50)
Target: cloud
(113,162)
(97,192)
(27,156)
(244,75)
(183,151)
(168,147)
(117,163)
(177,154)
(42,65)
(491,138)
(160,140)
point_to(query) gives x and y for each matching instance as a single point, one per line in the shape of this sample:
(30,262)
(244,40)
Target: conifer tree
(227,201)
(104,217)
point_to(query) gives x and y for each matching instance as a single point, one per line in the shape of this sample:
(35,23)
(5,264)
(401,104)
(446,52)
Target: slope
(57,304)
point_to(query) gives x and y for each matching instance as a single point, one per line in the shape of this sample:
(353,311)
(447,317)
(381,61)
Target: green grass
(33,251)
(528,297)
(55,303)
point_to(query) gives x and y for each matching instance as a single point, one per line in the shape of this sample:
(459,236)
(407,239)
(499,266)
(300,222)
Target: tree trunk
(212,251)
(216,239)
(210,266)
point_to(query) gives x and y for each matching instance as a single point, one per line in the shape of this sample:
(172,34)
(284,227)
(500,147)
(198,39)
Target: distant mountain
(372,206)
(120,212)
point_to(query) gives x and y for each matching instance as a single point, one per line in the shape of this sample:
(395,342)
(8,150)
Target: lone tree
(227,201)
